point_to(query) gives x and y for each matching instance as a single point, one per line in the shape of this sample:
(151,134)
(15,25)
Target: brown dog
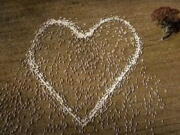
(168,18)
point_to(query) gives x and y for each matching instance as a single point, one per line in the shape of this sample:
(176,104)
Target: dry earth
(147,103)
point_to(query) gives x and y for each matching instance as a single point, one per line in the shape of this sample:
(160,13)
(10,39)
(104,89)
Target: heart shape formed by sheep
(34,67)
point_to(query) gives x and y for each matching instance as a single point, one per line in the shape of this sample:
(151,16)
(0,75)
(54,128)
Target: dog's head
(165,14)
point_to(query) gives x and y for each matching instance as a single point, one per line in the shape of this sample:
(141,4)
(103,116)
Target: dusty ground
(24,109)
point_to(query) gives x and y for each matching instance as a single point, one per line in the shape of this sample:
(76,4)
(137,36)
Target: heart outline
(100,103)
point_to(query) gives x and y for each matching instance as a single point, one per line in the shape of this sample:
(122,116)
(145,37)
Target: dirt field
(148,102)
